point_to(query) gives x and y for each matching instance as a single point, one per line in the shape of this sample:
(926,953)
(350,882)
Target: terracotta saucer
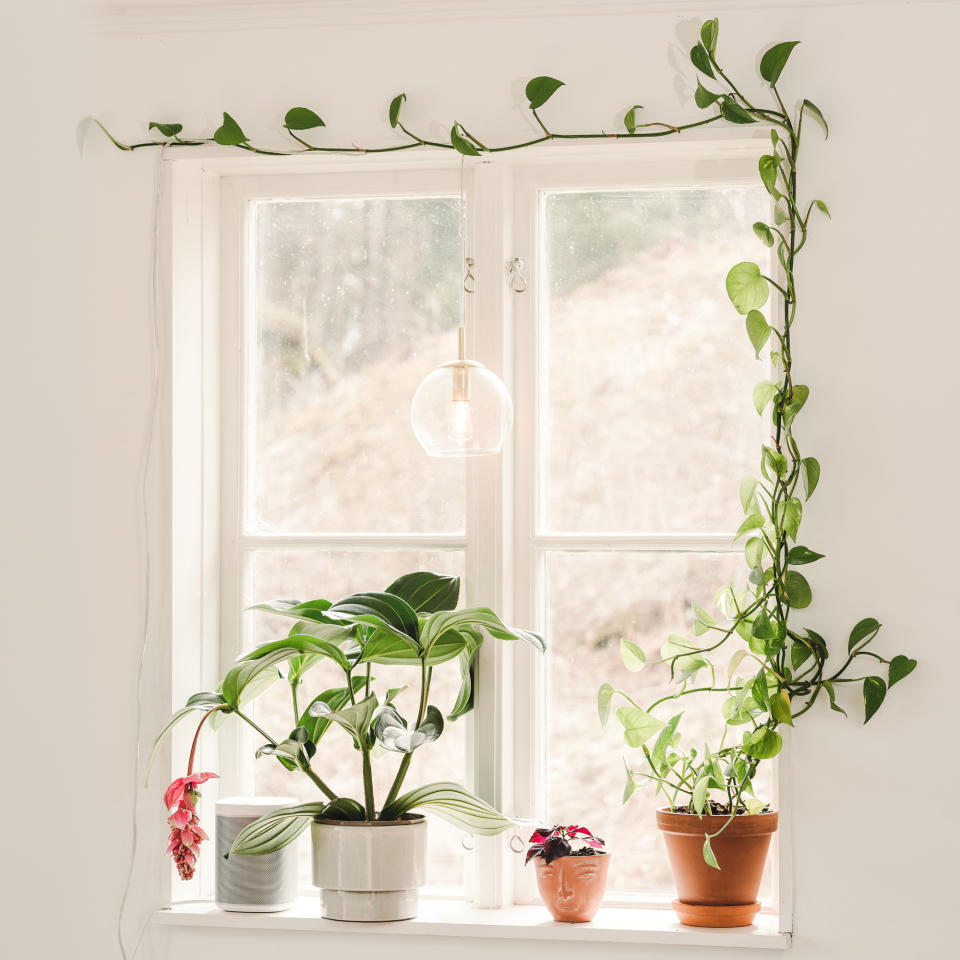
(709,915)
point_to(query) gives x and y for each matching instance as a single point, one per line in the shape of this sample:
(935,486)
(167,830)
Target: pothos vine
(780,669)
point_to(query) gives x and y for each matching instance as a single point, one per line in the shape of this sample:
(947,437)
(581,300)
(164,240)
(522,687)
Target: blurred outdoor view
(648,427)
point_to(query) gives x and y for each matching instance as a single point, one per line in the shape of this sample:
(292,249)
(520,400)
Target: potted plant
(369,855)
(717,831)
(572,867)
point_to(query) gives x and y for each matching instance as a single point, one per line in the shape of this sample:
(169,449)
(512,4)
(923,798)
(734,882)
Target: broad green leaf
(683,656)
(229,134)
(427,592)
(900,667)
(630,786)
(828,686)
(437,624)
(638,725)
(737,711)
(700,795)
(798,590)
(748,487)
(540,89)
(167,129)
(356,719)
(454,804)
(810,475)
(769,168)
(763,232)
(799,654)
(799,555)
(604,697)
(321,646)
(630,118)
(755,806)
(343,808)
(701,60)
(753,522)
(792,515)
(815,110)
(762,744)
(703,97)
(709,31)
(395,104)
(746,287)
(753,552)
(302,118)
(239,677)
(758,330)
(797,399)
(701,619)
(461,144)
(781,212)
(735,662)
(464,702)
(665,739)
(316,719)
(862,633)
(381,610)
(763,393)
(763,628)
(874,690)
(275,830)
(780,708)
(392,732)
(734,113)
(822,207)
(775,59)
(313,610)
(632,655)
(708,855)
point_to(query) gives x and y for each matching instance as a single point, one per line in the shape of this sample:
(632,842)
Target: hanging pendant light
(461,409)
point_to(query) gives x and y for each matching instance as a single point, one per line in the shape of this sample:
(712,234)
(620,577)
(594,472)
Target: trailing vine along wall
(780,670)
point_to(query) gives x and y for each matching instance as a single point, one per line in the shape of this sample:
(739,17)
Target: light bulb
(460,426)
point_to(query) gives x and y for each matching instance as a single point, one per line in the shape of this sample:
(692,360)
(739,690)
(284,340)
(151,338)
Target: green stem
(425,676)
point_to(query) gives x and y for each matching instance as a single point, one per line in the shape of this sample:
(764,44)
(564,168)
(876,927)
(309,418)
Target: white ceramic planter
(370,871)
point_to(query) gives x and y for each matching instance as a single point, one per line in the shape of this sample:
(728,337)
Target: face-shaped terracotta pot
(572,887)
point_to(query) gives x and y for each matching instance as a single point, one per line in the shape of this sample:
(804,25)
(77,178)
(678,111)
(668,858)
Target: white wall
(876,340)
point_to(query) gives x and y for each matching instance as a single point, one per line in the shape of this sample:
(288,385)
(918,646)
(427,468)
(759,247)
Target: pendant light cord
(146,457)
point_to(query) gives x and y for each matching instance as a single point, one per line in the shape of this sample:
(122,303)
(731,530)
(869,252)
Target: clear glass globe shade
(461,409)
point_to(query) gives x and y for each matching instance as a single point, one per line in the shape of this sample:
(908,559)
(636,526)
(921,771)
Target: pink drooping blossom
(186,834)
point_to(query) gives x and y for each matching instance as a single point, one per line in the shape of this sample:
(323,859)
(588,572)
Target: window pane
(307,575)
(648,419)
(354,302)
(594,600)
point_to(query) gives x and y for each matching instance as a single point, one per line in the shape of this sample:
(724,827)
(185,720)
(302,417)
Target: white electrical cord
(144,531)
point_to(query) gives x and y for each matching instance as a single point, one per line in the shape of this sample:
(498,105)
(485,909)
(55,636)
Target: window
(612,510)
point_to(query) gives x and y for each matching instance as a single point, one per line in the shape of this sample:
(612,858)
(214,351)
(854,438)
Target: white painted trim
(448,918)
(126,17)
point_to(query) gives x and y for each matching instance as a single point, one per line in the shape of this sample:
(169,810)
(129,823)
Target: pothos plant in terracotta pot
(716,830)
(369,853)
(572,866)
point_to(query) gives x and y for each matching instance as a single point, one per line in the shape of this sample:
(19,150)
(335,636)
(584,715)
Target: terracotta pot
(572,887)
(708,897)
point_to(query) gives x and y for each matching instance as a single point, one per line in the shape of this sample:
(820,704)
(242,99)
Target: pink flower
(187,834)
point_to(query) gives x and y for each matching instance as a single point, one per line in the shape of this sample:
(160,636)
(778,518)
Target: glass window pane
(648,422)
(594,600)
(353,302)
(307,575)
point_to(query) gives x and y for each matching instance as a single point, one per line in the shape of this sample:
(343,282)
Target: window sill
(449,918)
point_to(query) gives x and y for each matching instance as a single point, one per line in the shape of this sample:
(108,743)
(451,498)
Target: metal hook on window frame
(518,282)
(469,280)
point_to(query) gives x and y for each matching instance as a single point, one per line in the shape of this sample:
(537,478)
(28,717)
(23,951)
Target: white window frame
(503,541)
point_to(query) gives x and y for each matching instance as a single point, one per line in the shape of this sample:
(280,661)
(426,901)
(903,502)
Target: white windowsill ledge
(450,918)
